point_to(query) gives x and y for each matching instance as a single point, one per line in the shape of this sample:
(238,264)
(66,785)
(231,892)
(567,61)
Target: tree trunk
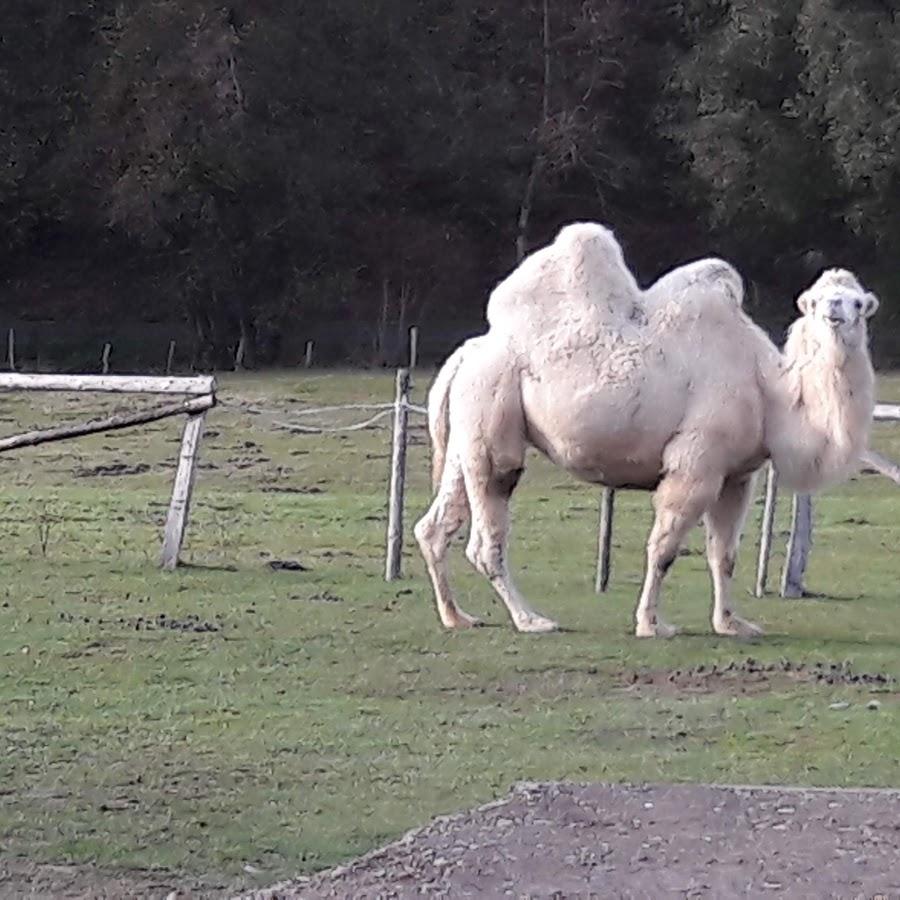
(247,341)
(525,208)
(537,164)
(380,354)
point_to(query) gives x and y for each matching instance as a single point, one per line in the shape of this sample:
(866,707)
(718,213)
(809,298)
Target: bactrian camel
(673,390)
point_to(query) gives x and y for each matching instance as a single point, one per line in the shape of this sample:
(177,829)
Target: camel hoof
(658,629)
(735,626)
(459,620)
(536,624)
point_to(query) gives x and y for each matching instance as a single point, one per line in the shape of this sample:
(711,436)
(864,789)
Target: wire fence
(399,411)
(275,417)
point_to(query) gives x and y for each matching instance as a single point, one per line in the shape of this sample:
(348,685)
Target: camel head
(837,307)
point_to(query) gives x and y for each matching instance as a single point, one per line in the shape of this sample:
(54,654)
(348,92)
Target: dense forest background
(341,170)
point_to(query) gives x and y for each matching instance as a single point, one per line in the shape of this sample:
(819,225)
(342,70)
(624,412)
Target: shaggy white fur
(822,402)
(672,389)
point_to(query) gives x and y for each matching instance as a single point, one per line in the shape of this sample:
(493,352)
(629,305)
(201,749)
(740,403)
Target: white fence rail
(112,384)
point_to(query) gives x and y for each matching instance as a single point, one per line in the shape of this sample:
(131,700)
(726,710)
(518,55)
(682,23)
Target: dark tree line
(254,167)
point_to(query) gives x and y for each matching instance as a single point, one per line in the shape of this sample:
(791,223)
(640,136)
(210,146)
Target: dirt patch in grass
(112,470)
(736,678)
(564,840)
(323,597)
(287,565)
(750,676)
(160,622)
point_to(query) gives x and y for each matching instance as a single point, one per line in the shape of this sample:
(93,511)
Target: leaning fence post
(308,358)
(792,579)
(604,541)
(170,356)
(11,349)
(179,508)
(398,478)
(104,359)
(765,533)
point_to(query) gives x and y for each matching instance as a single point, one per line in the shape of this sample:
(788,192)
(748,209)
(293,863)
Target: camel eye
(858,305)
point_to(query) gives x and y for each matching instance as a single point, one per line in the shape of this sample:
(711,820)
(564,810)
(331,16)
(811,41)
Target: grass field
(233,715)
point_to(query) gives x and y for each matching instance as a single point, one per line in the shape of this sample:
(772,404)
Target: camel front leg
(680,501)
(434,532)
(724,522)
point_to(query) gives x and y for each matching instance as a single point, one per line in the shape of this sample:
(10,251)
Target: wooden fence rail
(113,384)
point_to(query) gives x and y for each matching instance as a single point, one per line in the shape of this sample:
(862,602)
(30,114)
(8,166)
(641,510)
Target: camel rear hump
(708,291)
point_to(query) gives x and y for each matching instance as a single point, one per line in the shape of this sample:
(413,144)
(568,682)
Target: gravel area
(571,840)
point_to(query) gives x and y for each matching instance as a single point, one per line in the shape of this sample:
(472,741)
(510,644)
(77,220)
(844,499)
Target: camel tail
(439,414)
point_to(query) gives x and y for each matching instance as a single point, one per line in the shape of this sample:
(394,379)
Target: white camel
(673,389)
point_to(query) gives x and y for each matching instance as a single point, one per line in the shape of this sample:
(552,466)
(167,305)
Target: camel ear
(871,305)
(805,302)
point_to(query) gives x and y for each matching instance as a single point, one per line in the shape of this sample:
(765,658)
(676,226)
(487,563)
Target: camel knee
(424,533)
(662,552)
(433,533)
(485,555)
(664,562)
(729,561)
(722,552)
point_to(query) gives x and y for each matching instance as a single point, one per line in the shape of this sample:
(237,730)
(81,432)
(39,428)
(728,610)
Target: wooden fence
(200,397)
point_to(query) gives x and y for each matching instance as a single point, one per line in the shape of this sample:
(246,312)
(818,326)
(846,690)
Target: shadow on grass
(823,642)
(206,567)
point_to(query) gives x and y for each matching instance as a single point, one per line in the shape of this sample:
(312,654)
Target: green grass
(329,712)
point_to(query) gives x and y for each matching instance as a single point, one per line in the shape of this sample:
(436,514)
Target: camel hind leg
(434,532)
(484,460)
(489,488)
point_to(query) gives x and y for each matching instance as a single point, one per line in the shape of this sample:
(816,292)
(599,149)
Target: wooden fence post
(792,579)
(413,347)
(170,356)
(11,349)
(398,479)
(765,533)
(179,508)
(309,354)
(104,359)
(604,541)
